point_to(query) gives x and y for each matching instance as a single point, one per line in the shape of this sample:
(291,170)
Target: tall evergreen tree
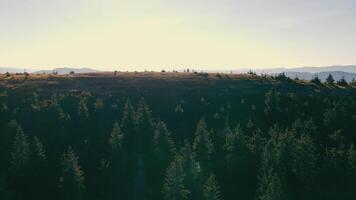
(174,188)
(305,160)
(19,175)
(203,145)
(116,138)
(164,146)
(128,127)
(21,153)
(83,109)
(211,189)
(39,188)
(145,128)
(330,80)
(72,179)
(351,158)
(270,186)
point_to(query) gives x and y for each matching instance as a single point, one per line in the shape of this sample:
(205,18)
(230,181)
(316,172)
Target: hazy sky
(156,34)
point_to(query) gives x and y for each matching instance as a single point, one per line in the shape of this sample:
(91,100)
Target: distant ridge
(337,75)
(3,70)
(341,68)
(66,70)
(348,72)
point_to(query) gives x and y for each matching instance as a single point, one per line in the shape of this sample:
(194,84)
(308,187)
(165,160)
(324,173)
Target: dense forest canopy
(176,136)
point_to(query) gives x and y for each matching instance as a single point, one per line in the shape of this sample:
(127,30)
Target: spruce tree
(145,127)
(330,80)
(203,145)
(351,158)
(164,146)
(20,166)
(39,171)
(72,179)
(211,189)
(39,153)
(193,171)
(128,128)
(116,138)
(342,82)
(21,153)
(116,165)
(270,186)
(174,188)
(305,160)
(83,109)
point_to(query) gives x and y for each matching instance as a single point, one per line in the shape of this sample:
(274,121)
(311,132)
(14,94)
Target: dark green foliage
(252,138)
(116,138)
(203,146)
(21,154)
(211,189)
(164,146)
(72,179)
(174,188)
(270,187)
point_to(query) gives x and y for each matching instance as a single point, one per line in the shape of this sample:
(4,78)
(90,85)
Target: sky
(175,34)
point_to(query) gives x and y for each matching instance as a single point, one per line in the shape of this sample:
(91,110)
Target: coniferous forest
(176,136)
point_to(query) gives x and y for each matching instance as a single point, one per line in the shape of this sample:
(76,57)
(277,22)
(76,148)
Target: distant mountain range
(66,70)
(337,75)
(3,70)
(307,73)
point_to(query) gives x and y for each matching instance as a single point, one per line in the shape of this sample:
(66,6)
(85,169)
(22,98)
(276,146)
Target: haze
(206,34)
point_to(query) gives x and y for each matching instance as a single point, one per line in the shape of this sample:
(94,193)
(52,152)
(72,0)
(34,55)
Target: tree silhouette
(330,80)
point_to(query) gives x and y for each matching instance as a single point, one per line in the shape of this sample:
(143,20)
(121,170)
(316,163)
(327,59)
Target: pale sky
(157,34)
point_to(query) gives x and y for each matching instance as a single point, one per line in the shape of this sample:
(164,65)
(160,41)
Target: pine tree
(235,145)
(270,186)
(174,188)
(194,178)
(72,179)
(116,167)
(83,109)
(272,102)
(145,127)
(39,172)
(203,146)
(330,80)
(128,128)
(21,153)
(164,146)
(39,153)
(20,166)
(116,138)
(211,189)
(353,82)
(316,80)
(342,82)
(305,160)
(351,158)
